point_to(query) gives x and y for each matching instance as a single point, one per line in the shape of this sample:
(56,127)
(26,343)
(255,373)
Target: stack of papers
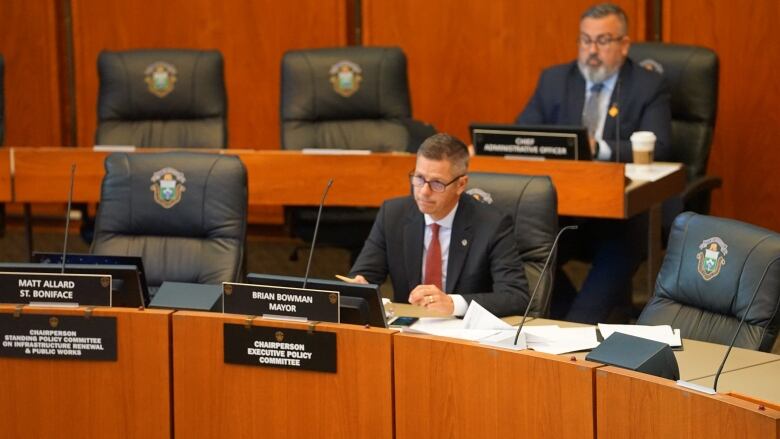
(480,325)
(660,333)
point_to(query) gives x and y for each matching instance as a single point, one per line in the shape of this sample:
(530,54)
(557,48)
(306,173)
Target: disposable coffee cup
(642,146)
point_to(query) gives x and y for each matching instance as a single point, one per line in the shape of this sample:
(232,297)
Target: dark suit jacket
(487,268)
(643,105)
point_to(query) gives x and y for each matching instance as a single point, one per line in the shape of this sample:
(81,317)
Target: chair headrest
(173,194)
(717,264)
(344,83)
(161,84)
(690,71)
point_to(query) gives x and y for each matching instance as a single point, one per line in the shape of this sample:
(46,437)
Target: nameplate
(58,337)
(285,302)
(55,289)
(542,145)
(280,347)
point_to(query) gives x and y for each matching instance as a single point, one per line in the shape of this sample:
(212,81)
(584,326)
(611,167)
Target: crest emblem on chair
(480,195)
(160,78)
(345,77)
(652,65)
(711,257)
(167,186)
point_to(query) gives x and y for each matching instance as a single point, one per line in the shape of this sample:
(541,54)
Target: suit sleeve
(533,113)
(510,287)
(655,116)
(372,261)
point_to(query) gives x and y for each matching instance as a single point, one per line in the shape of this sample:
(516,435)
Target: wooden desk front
(635,405)
(127,398)
(6,194)
(456,389)
(218,400)
(590,189)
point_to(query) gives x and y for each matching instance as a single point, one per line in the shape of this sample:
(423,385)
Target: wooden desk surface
(5,175)
(761,381)
(591,189)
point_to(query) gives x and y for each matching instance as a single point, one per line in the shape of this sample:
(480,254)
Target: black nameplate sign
(52,288)
(296,303)
(58,337)
(547,145)
(280,347)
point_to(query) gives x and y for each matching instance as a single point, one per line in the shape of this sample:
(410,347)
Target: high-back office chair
(346,98)
(162,98)
(712,268)
(532,203)
(692,75)
(183,212)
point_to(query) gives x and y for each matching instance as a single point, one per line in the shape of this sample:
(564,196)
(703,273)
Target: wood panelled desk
(6,193)
(218,400)
(127,398)
(589,189)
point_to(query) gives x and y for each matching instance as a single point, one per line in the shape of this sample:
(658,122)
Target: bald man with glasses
(441,247)
(599,90)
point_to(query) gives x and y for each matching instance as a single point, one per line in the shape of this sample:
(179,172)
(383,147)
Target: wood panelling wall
(252,35)
(479,61)
(31,41)
(745,151)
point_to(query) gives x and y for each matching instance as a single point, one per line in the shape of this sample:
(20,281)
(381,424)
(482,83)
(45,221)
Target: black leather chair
(162,98)
(532,203)
(692,75)
(346,98)
(183,212)
(712,268)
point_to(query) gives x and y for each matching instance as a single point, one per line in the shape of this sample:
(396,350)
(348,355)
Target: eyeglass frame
(430,183)
(601,41)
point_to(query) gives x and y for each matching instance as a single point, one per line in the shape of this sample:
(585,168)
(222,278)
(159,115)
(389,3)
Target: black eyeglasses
(435,185)
(602,40)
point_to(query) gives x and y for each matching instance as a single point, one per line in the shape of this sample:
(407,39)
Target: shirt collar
(609,83)
(444,222)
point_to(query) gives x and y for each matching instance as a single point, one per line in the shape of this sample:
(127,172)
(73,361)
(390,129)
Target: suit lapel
(414,227)
(575,90)
(460,242)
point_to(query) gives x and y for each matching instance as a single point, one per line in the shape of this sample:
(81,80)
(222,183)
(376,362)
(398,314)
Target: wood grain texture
(218,400)
(635,405)
(474,61)
(30,44)
(129,398)
(744,151)
(6,193)
(277,178)
(251,34)
(454,389)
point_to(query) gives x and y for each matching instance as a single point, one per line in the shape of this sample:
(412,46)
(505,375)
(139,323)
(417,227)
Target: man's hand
(432,298)
(359,279)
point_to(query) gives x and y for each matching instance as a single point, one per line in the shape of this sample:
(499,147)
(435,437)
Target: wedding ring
(430,299)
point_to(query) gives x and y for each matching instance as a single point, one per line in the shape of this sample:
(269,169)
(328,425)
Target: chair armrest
(699,185)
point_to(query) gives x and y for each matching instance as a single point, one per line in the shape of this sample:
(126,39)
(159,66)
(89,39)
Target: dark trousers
(615,249)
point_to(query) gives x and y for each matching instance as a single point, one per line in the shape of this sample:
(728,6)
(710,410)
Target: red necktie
(433,259)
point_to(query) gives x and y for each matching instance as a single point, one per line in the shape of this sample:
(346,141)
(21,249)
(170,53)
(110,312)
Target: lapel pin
(614,110)
(464,243)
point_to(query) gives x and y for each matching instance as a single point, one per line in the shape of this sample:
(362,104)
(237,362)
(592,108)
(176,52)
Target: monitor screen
(126,289)
(351,308)
(532,141)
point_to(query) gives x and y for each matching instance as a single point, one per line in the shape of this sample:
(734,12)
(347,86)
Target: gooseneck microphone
(67,217)
(316,229)
(553,249)
(741,322)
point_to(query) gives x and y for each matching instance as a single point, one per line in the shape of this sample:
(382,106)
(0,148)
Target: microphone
(541,276)
(734,339)
(316,229)
(67,217)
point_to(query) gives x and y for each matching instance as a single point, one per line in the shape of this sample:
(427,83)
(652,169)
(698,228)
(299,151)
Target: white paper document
(660,333)
(651,172)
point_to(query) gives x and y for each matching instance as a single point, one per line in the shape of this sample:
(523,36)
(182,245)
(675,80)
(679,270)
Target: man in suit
(601,90)
(441,247)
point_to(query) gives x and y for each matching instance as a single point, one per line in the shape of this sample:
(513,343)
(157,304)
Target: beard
(595,73)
